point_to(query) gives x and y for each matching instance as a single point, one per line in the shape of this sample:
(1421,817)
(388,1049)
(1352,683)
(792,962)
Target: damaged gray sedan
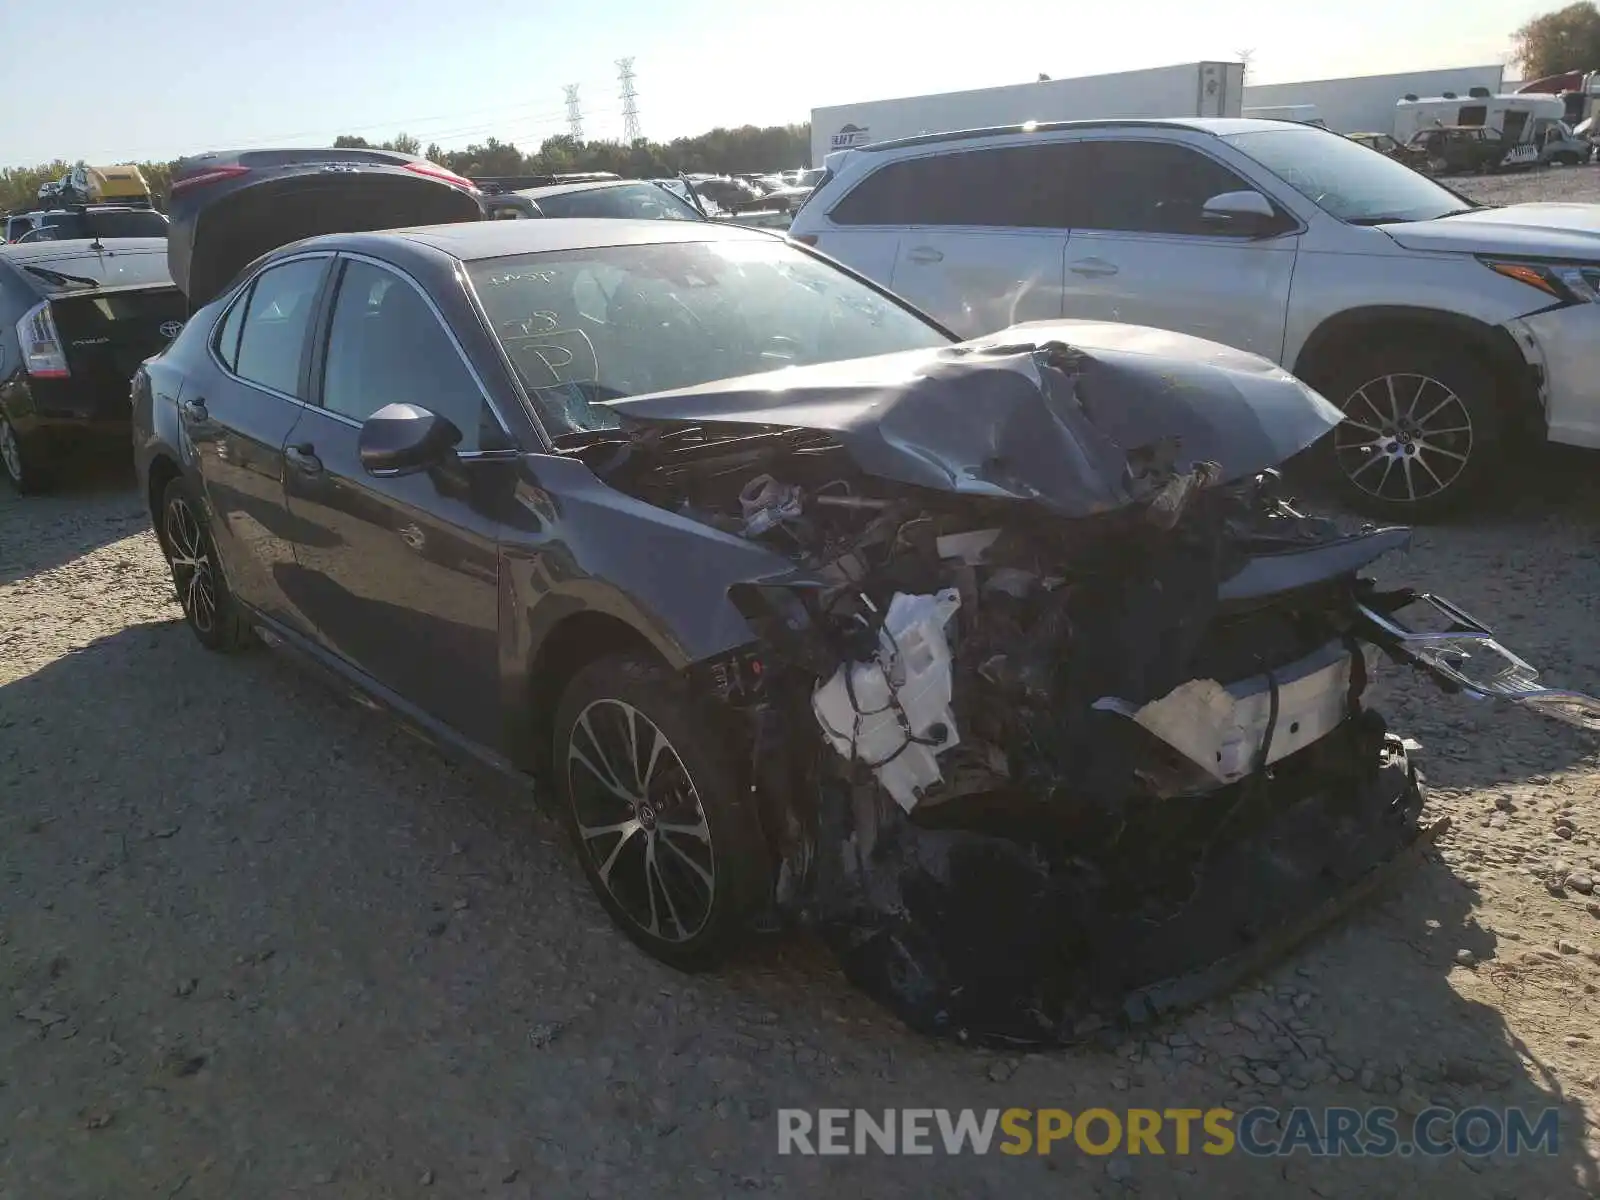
(1005,666)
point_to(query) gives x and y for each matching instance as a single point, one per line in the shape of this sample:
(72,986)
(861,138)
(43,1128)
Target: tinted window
(386,346)
(1152,187)
(590,325)
(277,314)
(1005,187)
(640,201)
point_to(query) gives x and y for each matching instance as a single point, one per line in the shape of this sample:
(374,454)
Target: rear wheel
(22,462)
(208,605)
(1422,430)
(651,801)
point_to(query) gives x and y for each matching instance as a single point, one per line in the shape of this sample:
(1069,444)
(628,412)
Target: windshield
(582,326)
(1347,180)
(639,201)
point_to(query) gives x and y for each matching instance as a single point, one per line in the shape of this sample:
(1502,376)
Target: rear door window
(277,314)
(1003,187)
(1152,187)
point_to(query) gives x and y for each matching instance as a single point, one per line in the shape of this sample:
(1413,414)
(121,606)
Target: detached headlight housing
(1570,283)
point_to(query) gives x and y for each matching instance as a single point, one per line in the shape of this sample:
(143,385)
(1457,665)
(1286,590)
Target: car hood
(1082,417)
(1541,230)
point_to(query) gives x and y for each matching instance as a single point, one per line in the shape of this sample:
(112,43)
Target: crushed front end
(1054,726)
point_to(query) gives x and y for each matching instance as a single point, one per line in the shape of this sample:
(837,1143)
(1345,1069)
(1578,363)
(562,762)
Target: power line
(574,112)
(630,102)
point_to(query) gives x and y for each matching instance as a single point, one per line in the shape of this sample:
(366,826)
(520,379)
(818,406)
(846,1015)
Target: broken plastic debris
(893,712)
(766,503)
(1226,730)
(968,547)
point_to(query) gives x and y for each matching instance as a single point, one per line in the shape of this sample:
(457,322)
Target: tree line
(747,148)
(1567,39)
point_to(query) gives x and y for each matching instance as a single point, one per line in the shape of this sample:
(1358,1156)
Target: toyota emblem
(171,329)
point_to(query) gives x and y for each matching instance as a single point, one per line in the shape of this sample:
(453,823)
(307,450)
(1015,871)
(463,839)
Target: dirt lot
(257,943)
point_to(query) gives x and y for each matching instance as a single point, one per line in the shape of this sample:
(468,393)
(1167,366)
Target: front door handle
(195,410)
(1093,267)
(924,254)
(303,458)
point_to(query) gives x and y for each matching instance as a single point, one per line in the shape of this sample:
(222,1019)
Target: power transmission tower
(1246,57)
(630,102)
(574,113)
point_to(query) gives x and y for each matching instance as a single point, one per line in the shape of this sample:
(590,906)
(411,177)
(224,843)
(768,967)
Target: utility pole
(574,113)
(630,102)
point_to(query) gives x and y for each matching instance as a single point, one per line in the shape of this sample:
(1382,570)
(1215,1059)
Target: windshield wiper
(60,278)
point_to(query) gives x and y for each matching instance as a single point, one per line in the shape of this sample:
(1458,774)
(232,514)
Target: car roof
(470,240)
(1218,126)
(36,252)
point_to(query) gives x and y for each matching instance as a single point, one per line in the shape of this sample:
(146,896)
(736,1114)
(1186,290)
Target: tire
(691,912)
(208,606)
(1444,448)
(23,463)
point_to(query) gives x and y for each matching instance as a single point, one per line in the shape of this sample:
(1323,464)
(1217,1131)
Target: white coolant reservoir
(893,711)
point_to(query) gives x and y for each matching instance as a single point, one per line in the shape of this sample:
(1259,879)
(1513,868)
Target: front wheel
(650,797)
(208,605)
(1422,429)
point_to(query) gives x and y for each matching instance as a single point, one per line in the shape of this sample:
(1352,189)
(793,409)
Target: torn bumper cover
(1059,718)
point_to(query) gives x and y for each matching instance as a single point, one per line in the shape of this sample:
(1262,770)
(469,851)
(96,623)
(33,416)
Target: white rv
(1517,118)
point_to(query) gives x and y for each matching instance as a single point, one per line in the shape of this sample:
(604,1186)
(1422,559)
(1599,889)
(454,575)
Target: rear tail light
(443,174)
(203,178)
(42,352)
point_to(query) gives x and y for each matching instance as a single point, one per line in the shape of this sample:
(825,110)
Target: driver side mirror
(401,439)
(1242,212)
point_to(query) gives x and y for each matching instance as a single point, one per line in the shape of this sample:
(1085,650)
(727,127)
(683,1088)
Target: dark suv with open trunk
(76,319)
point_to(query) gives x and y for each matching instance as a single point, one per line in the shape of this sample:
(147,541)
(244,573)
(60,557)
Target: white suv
(1442,328)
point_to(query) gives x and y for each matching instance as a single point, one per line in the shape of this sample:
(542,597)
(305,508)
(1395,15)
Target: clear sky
(105,80)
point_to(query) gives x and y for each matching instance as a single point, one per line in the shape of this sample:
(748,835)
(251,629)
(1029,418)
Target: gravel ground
(256,942)
(1554,183)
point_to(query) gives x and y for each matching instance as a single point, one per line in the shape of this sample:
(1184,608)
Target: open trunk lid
(228,209)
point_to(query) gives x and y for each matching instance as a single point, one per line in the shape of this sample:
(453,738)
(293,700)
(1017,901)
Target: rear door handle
(303,458)
(924,254)
(1092,267)
(195,410)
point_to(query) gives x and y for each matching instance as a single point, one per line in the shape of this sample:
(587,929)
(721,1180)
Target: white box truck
(1205,89)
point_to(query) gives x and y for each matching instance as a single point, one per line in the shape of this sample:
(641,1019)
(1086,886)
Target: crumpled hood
(1084,417)
(1540,230)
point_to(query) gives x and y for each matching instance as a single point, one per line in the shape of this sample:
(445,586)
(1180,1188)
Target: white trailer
(1304,114)
(1365,103)
(1205,89)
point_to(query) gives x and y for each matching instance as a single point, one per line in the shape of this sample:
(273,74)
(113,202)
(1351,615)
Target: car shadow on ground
(82,511)
(216,805)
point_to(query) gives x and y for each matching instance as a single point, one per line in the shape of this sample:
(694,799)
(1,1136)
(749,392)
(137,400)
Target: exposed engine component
(893,711)
(1087,733)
